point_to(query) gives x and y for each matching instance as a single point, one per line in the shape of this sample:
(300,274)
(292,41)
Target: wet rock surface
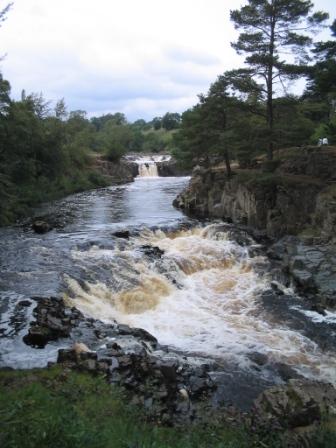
(164,383)
(311,266)
(169,388)
(53,321)
(40,226)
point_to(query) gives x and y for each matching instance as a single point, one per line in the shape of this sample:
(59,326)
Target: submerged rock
(122,234)
(152,251)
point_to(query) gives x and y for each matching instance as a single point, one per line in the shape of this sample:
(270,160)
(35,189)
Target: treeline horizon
(47,152)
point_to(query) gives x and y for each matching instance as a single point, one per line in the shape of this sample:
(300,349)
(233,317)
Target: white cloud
(140,57)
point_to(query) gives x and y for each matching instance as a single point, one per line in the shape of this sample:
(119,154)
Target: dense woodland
(47,152)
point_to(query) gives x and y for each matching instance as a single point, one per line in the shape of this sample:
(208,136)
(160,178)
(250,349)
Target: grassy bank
(61,409)
(53,408)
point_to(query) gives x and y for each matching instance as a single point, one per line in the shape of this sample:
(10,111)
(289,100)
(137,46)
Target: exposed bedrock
(294,206)
(170,167)
(299,197)
(169,388)
(117,172)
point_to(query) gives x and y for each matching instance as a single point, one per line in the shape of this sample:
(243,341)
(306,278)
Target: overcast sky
(139,57)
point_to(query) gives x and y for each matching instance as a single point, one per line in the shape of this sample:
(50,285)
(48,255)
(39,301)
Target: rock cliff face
(170,167)
(117,172)
(298,198)
(294,207)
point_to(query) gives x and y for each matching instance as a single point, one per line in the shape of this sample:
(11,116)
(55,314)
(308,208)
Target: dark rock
(116,173)
(289,201)
(169,371)
(122,234)
(168,168)
(137,332)
(300,403)
(276,288)
(285,371)
(198,385)
(318,308)
(330,302)
(41,226)
(25,303)
(258,358)
(152,251)
(51,323)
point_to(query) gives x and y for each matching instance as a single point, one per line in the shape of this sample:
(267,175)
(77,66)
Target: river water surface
(189,284)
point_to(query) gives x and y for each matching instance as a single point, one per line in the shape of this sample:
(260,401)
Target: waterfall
(148,164)
(148,169)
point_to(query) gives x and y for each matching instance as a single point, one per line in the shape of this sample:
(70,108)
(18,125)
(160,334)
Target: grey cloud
(183,54)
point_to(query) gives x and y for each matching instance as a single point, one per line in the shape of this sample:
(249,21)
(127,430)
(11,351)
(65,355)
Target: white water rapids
(195,290)
(200,297)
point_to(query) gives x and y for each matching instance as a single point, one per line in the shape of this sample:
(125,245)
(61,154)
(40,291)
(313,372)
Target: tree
(327,50)
(3,16)
(60,109)
(272,29)
(213,126)
(171,121)
(322,76)
(157,123)
(4,96)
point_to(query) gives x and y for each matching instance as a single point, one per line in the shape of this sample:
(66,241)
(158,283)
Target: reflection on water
(36,265)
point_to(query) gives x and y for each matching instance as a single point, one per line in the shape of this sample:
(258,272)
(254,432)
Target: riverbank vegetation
(61,408)
(47,152)
(57,408)
(249,111)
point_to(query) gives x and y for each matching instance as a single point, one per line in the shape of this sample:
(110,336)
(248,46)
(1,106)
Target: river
(190,284)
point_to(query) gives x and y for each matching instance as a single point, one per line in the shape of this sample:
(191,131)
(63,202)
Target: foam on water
(201,297)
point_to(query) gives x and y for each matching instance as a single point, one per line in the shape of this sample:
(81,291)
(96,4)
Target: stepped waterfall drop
(148,165)
(148,169)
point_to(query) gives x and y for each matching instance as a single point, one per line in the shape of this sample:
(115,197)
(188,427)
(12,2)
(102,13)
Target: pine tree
(272,30)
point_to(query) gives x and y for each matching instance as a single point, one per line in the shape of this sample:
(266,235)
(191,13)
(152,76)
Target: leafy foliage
(269,30)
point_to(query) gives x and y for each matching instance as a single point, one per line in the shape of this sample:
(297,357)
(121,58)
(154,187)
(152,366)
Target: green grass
(255,178)
(52,408)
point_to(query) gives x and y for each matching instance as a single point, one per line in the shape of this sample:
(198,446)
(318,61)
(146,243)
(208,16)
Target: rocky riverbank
(169,389)
(296,195)
(116,173)
(291,205)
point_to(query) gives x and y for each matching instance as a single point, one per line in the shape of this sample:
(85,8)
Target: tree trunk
(270,89)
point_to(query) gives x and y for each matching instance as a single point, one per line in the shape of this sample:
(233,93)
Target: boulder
(41,227)
(152,251)
(122,234)
(300,403)
(53,321)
